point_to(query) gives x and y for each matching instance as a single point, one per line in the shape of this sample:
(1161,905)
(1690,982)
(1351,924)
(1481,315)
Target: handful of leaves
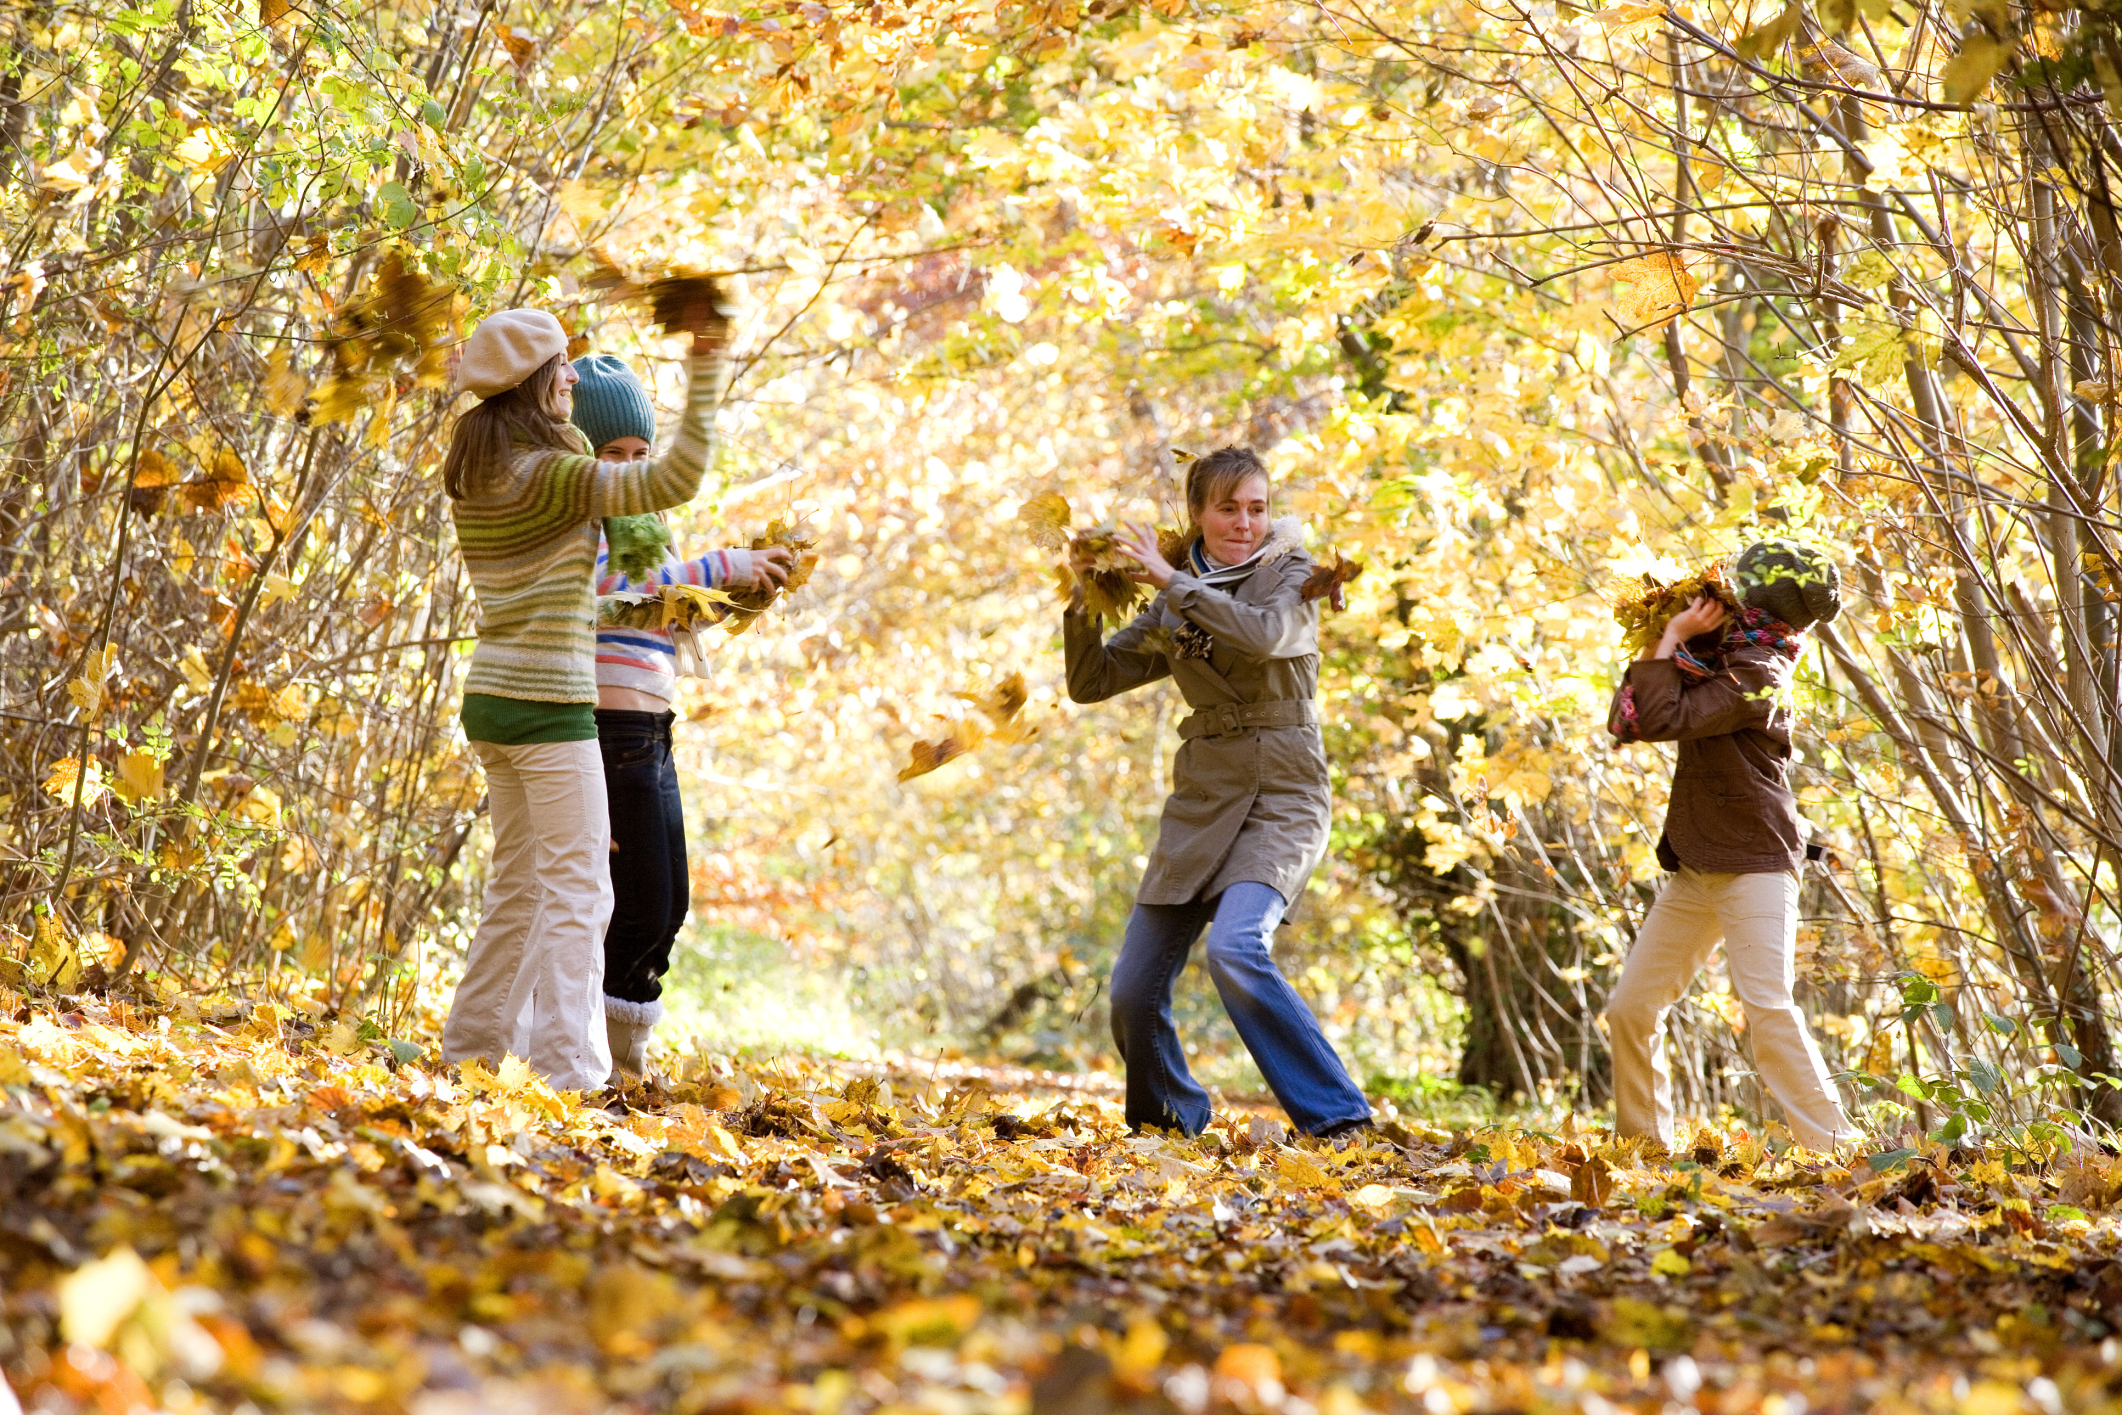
(635,544)
(665,608)
(682,301)
(746,605)
(676,608)
(1643,608)
(1108,586)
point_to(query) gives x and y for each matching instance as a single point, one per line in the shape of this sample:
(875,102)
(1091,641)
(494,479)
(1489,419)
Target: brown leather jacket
(1732,811)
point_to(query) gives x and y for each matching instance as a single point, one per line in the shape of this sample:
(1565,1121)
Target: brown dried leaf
(925,757)
(221,487)
(1329,581)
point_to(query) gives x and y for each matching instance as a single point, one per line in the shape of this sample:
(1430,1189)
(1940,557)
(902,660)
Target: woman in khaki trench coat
(1248,816)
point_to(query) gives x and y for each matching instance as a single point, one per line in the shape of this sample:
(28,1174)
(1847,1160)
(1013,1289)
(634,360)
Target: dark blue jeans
(650,890)
(1277,1028)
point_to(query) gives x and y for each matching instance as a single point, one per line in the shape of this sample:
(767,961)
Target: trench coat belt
(1226,718)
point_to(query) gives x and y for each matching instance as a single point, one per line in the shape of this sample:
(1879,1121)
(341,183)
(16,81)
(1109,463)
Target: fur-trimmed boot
(628,1024)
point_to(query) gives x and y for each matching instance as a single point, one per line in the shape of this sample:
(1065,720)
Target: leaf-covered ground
(202,1217)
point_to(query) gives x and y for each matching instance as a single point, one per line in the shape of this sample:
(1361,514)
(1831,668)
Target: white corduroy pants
(534,981)
(1755,916)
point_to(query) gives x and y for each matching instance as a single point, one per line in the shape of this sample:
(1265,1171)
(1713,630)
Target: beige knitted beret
(507,348)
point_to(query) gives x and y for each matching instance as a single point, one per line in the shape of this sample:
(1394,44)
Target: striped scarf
(1223,577)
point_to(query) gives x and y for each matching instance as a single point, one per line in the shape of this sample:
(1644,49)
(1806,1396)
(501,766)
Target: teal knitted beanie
(610,402)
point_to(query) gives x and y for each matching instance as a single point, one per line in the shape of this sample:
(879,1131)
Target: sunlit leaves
(1045,519)
(63,779)
(1660,288)
(1970,71)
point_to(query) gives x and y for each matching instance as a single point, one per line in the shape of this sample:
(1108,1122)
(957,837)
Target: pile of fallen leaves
(213,1213)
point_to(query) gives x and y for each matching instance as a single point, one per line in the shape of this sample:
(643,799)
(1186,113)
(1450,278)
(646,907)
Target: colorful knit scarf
(1753,626)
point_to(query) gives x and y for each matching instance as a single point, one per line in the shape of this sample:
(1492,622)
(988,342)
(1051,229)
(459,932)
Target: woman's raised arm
(635,488)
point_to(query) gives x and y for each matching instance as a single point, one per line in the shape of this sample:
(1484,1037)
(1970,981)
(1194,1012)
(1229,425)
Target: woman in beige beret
(528,497)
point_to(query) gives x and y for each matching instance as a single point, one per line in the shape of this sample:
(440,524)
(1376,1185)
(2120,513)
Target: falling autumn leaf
(925,757)
(1330,582)
(1045,519)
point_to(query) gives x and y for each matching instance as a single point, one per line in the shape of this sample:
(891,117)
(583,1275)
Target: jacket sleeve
(635,488)
(1285,625)
(1739,695)
(1099,669)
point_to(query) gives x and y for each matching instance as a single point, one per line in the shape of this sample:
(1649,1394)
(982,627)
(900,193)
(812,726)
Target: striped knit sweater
(646,660)
(530,540)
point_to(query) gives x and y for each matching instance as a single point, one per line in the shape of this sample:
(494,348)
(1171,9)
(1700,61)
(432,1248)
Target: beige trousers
(1756,918)
(534,980)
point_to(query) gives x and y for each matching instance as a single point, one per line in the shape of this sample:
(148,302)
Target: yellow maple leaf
(1627,21)
(87,690)
(1659,289)
(927,756)
(63,774)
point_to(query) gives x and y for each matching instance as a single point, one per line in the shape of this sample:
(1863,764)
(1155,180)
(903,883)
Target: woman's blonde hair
(1217,475)
(486,436)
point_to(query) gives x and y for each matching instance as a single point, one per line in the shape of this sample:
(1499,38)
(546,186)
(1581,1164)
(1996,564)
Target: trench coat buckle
(1229,719)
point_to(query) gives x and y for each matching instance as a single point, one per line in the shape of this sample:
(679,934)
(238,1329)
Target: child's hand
(1704,615)
(770,567)
(1700,617)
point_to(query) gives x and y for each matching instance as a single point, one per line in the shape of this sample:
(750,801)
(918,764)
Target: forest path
(196,1217)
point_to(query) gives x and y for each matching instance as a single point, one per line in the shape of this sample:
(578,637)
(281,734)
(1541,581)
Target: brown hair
(1217,475)
(485,436)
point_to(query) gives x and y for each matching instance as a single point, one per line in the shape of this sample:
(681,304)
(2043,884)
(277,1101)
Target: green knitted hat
(610,402)
(1794,582)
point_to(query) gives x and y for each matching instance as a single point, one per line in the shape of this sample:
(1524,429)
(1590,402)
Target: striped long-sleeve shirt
(647,659)
(530,541)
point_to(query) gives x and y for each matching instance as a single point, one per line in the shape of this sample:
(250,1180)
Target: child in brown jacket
(1717,687)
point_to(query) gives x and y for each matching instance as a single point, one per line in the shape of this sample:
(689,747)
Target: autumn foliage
(1529,310)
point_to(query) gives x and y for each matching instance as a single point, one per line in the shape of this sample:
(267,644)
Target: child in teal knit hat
(636,681)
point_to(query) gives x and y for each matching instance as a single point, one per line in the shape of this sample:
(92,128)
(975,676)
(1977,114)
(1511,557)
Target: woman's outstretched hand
(1139,539)
(1700,617)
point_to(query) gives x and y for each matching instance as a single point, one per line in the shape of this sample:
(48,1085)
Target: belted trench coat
(1250,798)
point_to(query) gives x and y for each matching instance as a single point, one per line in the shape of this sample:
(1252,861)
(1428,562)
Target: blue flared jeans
(1278,1029)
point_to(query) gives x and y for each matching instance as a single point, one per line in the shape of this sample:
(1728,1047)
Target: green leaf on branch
(395,205)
